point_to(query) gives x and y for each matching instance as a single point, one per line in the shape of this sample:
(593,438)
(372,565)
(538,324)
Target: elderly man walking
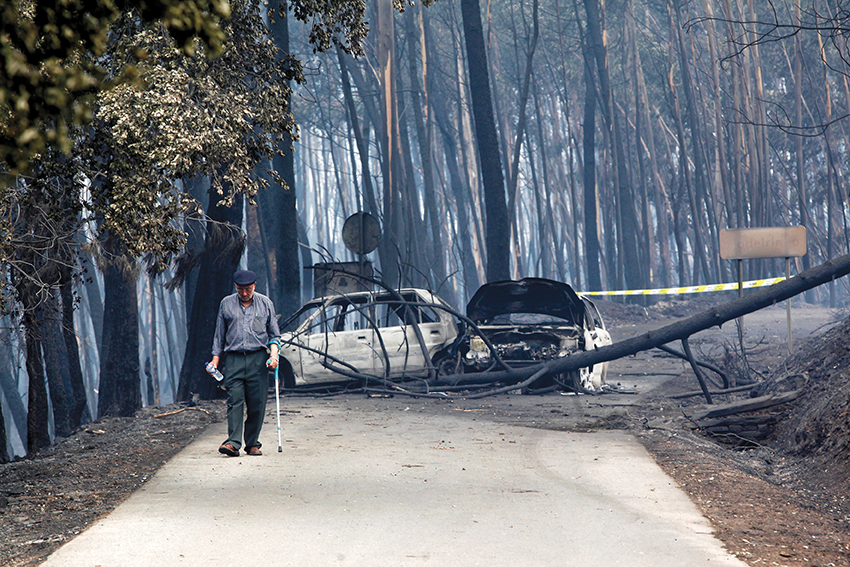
(246,343)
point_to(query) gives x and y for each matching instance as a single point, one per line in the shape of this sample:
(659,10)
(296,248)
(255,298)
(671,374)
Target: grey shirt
(244,329)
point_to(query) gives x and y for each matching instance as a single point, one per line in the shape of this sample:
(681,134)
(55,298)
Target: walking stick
(277,404)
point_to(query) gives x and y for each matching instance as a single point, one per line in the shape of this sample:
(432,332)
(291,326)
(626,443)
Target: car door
(403,353)
(338,342)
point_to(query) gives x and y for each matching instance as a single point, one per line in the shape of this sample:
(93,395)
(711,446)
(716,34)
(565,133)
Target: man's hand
(272,362)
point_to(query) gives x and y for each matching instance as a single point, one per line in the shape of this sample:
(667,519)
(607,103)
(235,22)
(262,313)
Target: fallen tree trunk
(751,404)
(715,317)
(739,431)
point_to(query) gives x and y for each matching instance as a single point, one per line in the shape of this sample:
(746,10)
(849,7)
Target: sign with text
(772,242)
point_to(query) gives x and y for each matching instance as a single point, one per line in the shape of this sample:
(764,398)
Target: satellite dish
(361,233)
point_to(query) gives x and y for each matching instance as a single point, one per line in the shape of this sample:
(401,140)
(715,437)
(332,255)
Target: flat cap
(244,277)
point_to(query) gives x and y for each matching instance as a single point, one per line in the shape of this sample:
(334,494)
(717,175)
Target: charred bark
(38,434)
(56,363)
(591,229)
(697,185)
(629,269)
(513,171)
(420,100)
(119,391)
(392,172)
(460,191)
(78,399)
(223,248)
(277,214)
(371,204)
(498,223)
(412,216)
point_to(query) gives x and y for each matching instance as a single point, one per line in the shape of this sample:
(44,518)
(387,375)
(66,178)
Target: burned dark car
(531,321)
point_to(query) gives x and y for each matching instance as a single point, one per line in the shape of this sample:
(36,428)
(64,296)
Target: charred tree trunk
(199,188)
(392,172)
(4,452)
(460,192)
(591,227)
(38,434)
(698,190)
(802,200)
(513,171)
(223,248)
(738,127)
(684,157)
(276,213)
(55,363)
(551,253)
(11,396)
(719,145)
(568,178)
(362,145)
(629,268)
(78,400)
(420,95)
(413,217)
(119,392)
(306,260)
(642,131)
(498,223)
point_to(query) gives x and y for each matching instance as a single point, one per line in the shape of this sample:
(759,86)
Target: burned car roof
(528,295)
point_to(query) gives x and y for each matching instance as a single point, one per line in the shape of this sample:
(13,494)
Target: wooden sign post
(774,242)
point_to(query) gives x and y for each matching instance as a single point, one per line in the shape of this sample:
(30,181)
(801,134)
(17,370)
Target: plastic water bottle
(214,372)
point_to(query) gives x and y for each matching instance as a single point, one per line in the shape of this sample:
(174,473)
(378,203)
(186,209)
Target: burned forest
(444,201)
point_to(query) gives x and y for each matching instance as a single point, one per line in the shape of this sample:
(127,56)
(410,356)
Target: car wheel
(447,365)
(285,374)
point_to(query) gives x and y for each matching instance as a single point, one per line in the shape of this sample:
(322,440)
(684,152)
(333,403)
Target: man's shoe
(227,449)
(254,451)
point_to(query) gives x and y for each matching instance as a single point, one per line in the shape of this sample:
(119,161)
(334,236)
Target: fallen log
(735,423)
(715,317)
(751,404)
(740,431)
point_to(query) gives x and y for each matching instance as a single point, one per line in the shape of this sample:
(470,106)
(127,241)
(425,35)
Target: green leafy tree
(49,69)
(190,116)
(109,107)
(222,118)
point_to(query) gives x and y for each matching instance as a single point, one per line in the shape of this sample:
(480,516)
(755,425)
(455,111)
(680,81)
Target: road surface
(391,482)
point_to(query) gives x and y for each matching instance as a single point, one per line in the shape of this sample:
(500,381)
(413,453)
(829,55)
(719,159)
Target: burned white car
(381,335)
(530,321)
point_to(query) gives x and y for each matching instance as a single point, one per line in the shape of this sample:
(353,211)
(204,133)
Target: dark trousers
(247,381)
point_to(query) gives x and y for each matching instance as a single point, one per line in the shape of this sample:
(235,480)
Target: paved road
(361,483)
